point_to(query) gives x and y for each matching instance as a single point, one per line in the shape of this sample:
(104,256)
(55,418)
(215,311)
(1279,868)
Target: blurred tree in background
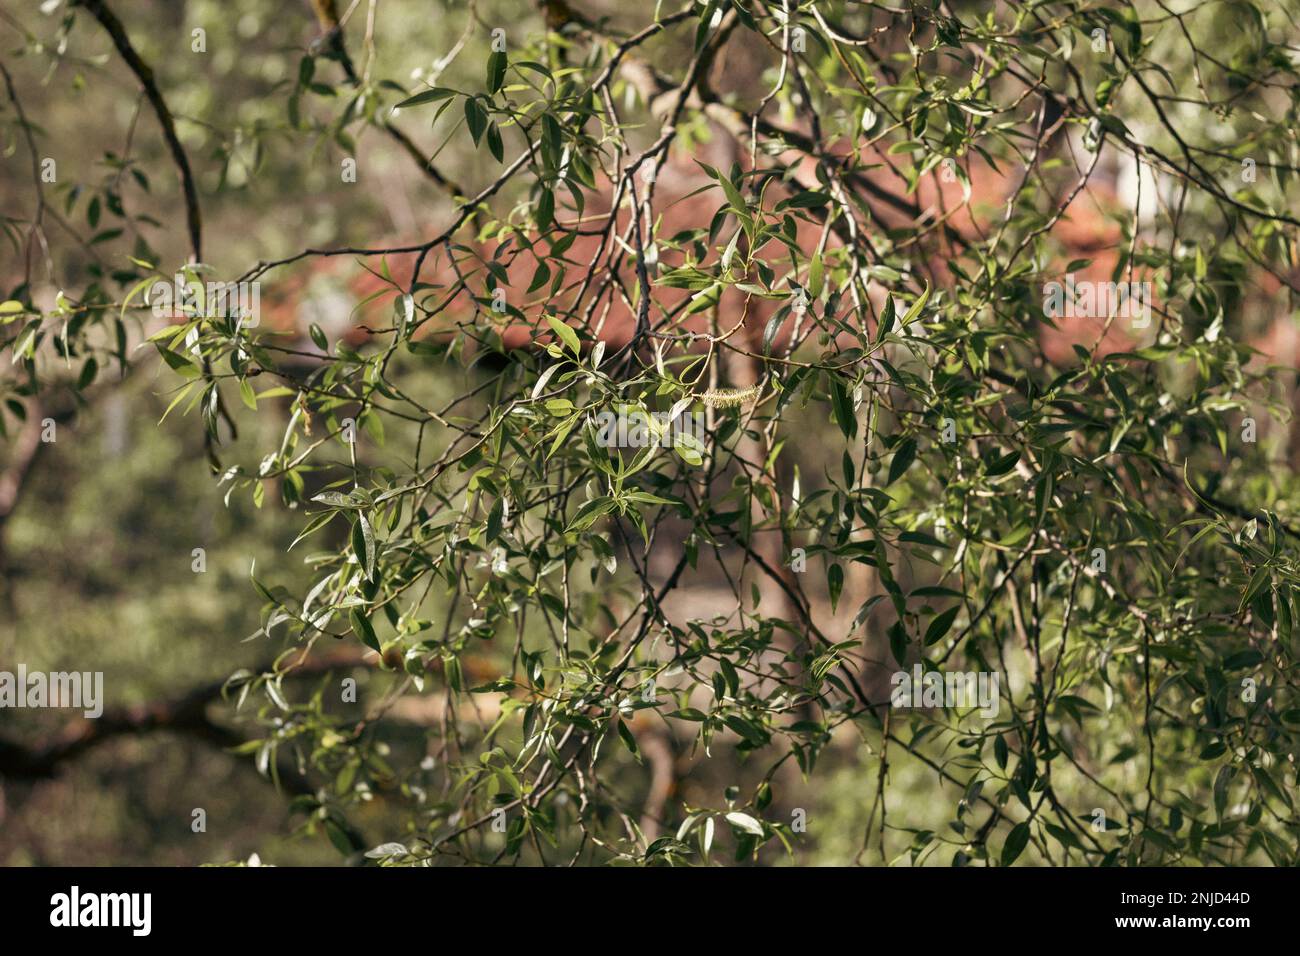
(618,403)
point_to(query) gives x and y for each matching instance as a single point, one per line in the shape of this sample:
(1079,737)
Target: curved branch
(113,26)
(186,714)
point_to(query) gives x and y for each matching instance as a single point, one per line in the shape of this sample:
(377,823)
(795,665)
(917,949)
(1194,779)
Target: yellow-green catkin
(729,397)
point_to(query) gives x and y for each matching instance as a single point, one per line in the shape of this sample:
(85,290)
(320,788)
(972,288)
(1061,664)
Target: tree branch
(113,26)
(185,714)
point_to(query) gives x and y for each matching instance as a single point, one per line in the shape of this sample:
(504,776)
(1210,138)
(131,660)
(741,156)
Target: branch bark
(185,714)
(113,26)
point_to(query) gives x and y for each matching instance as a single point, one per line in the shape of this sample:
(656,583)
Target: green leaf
(898,643)
(1017,840)
(175,361)
(476,118)
(565,333)
(1263,575)
(495,146)
(426,96)
(842,409)
(772,327)
(363,545)
(734,198)
(361,628)
(903,458)
(940,625)
(628,740)
(589,512)
(747,730)
(887,317)
(835,583)
(1002,465)
(336,500)
(689,713)
(917,306)
(745,823)
(816,275)
(496,70)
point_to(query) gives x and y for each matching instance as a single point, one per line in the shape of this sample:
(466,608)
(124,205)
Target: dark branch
(109,21)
